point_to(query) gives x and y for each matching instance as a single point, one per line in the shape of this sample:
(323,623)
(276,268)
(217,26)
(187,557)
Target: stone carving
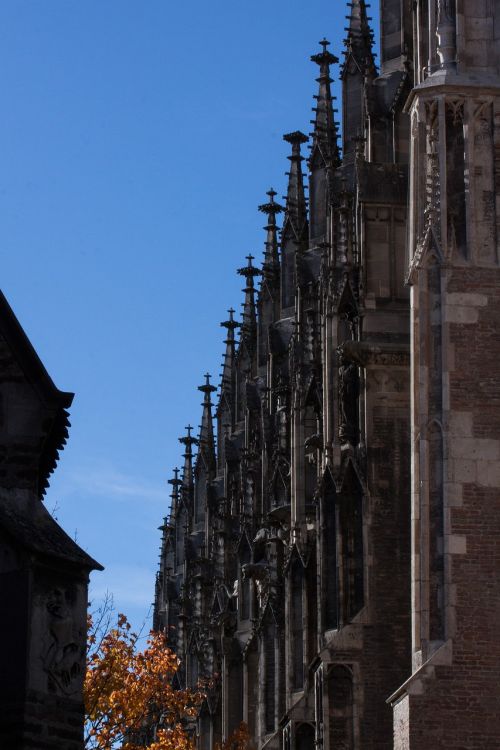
(260,573)
(63,658)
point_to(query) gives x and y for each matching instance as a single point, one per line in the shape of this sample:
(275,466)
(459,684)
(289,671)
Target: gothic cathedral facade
(331,560)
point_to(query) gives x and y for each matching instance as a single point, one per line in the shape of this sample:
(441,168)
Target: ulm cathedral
(331,561)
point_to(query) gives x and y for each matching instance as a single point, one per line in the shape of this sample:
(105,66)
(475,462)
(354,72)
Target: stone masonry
(330,562)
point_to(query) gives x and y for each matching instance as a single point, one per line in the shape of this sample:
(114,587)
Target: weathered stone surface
(43,573)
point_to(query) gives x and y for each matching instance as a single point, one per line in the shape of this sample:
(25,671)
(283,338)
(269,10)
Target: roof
(31,525)
(36,374)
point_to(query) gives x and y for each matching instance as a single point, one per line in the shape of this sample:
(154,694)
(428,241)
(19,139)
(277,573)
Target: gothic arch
(328,554)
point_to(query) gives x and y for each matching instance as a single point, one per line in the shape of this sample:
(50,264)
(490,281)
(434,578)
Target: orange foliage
(238,740)
(129,699)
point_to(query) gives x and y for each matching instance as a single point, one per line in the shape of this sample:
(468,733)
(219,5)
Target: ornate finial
(188,440)
(249,271)
(324,57)
(295,138)
(230,324)
(207,388)
(175,481)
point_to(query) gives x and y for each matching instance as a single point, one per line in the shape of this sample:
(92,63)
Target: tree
(238,740)
(130,701)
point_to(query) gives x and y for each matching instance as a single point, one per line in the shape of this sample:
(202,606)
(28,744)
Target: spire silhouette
(249,322)
(206,440)
(271,265)
(359,34)
(325,133)
(187,474)
(228,365)
(295,225)
(176,485)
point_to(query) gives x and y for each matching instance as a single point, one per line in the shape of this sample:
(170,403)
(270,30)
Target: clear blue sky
(137,138)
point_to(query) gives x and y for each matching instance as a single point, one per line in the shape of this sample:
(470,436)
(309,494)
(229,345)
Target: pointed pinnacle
(271,207)
(249,271)
(230,324)
(207,388)
(175,481)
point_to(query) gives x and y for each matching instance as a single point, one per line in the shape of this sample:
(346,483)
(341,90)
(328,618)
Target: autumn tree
(130,700)
(238,740)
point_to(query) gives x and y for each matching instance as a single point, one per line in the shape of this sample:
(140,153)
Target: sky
(137,139)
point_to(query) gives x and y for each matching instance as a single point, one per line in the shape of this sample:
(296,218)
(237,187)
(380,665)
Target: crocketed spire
(187,475)
(357,71)
(295,225)
(228,364)
(359,40)
(176,485)
(206,440)
(249,322)
(325,128)
(271,265)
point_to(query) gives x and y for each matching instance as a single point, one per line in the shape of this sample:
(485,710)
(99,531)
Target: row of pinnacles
(330,563)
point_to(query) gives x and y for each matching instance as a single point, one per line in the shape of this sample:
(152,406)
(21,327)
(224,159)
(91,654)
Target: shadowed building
(43,573)
(331,556)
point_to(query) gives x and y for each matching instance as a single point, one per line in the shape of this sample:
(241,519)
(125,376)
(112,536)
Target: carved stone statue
(63,660)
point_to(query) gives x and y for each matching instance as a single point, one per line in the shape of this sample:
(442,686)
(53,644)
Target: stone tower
(330,559)
(43,573)
(451,699)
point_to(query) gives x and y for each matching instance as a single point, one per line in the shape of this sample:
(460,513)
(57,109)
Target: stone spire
(249,323)
(359,40)
(187,475)
(271,265)
(228,364)
(325,127)
(176,485)
(357,71)
(206,440)
(295,225)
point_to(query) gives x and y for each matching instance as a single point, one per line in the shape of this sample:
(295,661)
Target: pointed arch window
(297,623)
(270,682)
(193,668)
(436,533)
(330,572)
(351,518)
